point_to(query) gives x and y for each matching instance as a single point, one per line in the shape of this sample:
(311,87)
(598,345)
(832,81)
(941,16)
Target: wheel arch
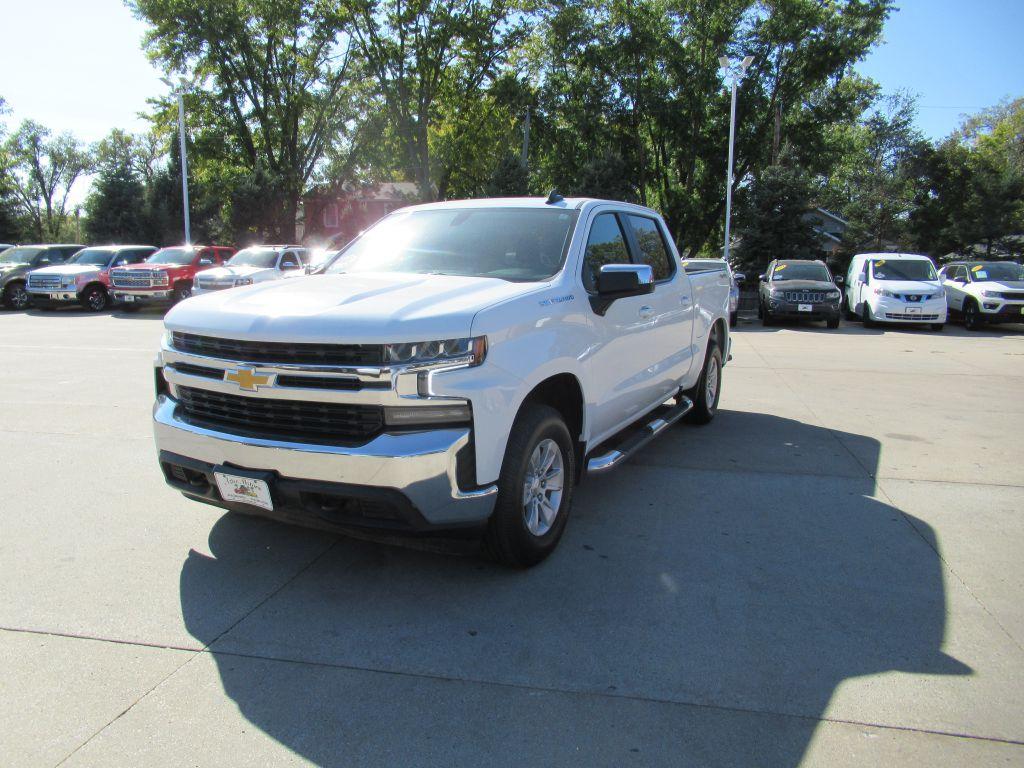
(564,393)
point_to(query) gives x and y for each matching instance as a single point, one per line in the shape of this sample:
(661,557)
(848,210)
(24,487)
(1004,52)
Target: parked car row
(49,276)
(893,288)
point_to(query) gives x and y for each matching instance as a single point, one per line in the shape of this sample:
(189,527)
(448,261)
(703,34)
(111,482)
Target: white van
(894,288)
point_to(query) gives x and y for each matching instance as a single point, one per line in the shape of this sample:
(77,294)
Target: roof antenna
(554,197)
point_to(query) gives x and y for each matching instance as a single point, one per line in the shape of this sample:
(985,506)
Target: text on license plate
(913,310)
(805,308)
(129,297)
(247,490)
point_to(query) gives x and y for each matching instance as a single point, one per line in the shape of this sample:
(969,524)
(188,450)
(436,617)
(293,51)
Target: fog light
(404,416)
(990,305)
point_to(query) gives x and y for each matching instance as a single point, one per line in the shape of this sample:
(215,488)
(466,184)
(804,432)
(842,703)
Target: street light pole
(179,91)
(737,73)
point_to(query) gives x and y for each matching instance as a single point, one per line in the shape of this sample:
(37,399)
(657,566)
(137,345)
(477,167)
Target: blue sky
(88,74)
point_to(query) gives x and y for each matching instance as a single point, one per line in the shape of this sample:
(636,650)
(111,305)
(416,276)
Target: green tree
(271,88)
(115,207)
(44,168)
(771,217)
(10,225)
(429,60)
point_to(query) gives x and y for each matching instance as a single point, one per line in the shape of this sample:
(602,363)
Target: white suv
(894,288)
(256,264)
(985,291)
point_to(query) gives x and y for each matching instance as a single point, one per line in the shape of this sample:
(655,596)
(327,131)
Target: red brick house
(337,216)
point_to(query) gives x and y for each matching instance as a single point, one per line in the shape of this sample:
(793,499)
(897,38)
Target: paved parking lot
(830,574)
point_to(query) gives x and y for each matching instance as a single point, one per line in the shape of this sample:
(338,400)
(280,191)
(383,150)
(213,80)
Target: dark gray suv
(16,262)
(799,290)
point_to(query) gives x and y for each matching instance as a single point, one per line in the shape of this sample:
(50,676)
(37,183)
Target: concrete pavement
(829,574)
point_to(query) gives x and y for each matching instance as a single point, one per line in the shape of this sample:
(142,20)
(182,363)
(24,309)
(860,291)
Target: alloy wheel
(542,487)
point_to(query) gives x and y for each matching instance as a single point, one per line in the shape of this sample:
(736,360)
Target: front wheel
(95,299)
(833,322)
(534,490)
(865,316)
(706,394)
(181,292)
(937,327)
(972,317)
(16,297)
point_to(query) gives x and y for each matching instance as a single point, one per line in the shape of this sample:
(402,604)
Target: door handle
(646,312)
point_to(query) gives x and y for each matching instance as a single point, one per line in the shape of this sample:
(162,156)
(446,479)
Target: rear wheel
(535,489)
(973,320)
(706,394)
(95,298)
(16,297)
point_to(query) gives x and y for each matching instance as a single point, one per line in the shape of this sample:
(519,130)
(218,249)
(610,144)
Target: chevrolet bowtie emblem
(247,378)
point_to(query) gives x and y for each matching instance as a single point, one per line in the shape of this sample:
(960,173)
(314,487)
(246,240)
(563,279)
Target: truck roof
(568,203)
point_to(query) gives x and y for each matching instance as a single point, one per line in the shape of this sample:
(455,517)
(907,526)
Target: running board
(609,460)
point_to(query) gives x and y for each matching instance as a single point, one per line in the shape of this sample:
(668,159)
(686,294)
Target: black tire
(508,539)
(704,406)
(734,317)
(766,317)
(181,292)
(833,323)
(760,309)
(16,297)
(973,321)
(865,316)
(937,327)
(847,312)
(95,298)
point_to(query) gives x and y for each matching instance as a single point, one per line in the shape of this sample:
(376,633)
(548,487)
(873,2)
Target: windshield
(801,272)
(179,256)
(16,255)
(994,270)
(254,257)
(95,257)
(515,244)
(902,269)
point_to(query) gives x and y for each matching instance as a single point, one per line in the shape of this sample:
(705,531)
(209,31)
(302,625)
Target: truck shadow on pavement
(698,612)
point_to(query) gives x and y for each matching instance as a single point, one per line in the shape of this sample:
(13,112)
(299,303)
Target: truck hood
(223,273)
(364,308)
(68,269)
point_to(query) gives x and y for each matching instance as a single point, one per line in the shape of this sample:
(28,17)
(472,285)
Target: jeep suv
(799,289)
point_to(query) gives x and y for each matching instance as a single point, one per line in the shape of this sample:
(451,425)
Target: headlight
(67,282)
(160,278)
(243,281)
(470,350)
(992,294)
(885,292)
(834,294)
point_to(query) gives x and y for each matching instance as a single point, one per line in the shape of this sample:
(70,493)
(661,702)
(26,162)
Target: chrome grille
(133,278)
(808,297)
(44,281)
(214,285)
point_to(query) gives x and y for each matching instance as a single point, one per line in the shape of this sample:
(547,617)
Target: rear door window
(651,248)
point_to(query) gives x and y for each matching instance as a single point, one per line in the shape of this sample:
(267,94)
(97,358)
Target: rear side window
(651,247)
(606,245)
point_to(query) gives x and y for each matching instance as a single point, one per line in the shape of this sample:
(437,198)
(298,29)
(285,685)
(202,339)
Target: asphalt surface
(830,574)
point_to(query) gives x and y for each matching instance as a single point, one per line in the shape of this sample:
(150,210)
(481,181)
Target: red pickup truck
(166,276)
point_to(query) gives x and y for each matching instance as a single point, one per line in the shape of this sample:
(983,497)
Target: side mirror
(763,278)
(739,277)
(839,279)
(619,281)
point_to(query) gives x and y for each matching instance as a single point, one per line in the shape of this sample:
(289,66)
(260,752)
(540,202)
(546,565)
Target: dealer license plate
(805,308)
(129,298)
(247,490)
(913,310)
(54,296)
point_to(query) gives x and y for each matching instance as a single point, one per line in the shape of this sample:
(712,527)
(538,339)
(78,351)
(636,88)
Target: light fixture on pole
(179,91)
(736,72)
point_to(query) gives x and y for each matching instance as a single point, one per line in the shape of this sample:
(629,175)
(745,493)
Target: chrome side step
(609,460)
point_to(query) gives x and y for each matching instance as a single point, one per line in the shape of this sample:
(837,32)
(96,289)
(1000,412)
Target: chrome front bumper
(422,465)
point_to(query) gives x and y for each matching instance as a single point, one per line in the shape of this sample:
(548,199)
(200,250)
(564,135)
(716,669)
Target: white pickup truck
(459,365)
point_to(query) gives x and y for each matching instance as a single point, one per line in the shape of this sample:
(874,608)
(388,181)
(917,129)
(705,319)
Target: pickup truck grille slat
(132,278)
(282,419)
(44,281)
(279,352)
